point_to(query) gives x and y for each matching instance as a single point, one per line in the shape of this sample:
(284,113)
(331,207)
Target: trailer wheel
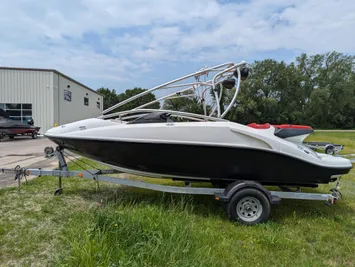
(249,206)
(11,136)
(329,150)
(34,135)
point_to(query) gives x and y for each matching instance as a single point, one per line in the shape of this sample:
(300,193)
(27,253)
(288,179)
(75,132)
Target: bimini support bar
(172,115)
(126,112)
(180,96)
(201,72)
(214,82)
(194,86)
(235,95)
(166,97)
(187,84)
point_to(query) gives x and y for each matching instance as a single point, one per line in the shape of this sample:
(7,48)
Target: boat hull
(297,138)
(18,131)
(203,161)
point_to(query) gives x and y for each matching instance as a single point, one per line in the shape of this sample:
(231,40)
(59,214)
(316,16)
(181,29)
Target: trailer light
(80,175)
(216,198)
(28,172)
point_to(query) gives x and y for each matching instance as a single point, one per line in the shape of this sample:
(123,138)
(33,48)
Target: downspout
(58,123)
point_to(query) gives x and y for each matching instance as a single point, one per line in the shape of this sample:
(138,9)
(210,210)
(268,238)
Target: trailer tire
(34,135)
(329,150)
(248,206)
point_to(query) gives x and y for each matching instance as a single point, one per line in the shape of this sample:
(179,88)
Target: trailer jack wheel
(34,135)
(59,191)
(249,206)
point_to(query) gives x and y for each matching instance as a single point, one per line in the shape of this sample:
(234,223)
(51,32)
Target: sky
(124,44)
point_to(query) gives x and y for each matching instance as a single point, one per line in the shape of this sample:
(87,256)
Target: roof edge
(55,71)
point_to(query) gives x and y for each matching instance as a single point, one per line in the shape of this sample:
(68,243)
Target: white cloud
(136,35)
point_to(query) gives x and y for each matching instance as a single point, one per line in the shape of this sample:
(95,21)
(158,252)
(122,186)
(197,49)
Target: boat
(291,132)
(181,145)
(12,128)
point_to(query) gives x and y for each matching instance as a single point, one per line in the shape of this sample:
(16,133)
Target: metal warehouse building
(48,96)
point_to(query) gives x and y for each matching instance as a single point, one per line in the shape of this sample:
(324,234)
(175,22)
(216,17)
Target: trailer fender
(242,184)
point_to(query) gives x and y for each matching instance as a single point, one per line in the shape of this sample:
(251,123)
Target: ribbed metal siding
(75,109)
(35,87)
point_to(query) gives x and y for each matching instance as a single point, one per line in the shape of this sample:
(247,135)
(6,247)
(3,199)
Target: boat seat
(284,130)
(292,126)
(259,126)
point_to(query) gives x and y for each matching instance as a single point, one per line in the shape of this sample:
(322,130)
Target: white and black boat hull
(197,162)
(199,151)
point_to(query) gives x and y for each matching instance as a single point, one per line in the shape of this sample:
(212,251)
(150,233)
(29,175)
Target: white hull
(298,138)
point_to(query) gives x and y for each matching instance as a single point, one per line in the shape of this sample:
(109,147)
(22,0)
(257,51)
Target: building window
(27,106)
(27,113)
(18,111)
(67,95)
(13,106)
(86,101)
(14,113)
(98,105)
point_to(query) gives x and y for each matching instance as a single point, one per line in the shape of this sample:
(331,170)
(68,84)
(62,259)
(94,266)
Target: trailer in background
(328,148)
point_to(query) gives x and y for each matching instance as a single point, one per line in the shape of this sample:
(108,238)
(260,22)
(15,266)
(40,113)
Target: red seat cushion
(285,126)
(259,126)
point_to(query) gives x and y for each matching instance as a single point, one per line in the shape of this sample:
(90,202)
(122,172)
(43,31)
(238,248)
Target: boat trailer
(328,148)
(246,202)
(34,134)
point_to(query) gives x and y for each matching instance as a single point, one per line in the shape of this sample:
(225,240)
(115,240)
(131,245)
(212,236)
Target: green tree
(110,97)
(318,90)
(184,104)
(332,72)
(139,101)
(317,109)
(269,94)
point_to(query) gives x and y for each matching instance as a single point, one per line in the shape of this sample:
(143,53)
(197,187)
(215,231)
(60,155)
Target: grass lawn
(117,226)
(336,137)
